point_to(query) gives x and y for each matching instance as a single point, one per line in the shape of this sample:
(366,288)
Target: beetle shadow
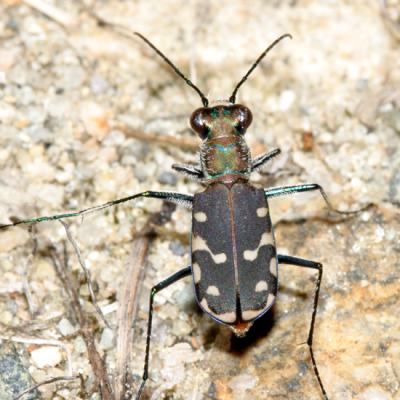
(238,345)
(263,325)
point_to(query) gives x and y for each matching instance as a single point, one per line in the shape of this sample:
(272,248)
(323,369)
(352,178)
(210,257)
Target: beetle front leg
(261,160)
(192,171)
(307,187)
(184,199)
(300,262)
(155,289)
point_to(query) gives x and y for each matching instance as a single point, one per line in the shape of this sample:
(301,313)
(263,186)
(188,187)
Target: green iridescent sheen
(223,149)
(214,113)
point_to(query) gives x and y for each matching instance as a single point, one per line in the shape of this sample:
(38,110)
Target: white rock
(243,382)
(374,393)
(286,99)
(95,117)
(65,327)
(175,358)
(46,356)
(107,339)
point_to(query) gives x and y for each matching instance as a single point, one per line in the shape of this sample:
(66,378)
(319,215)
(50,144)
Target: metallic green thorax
(224,153)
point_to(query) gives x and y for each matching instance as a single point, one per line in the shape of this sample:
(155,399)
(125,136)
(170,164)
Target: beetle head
(221,120)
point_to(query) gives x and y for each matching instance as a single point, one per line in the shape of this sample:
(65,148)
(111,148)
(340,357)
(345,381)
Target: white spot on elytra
(228,317)
(213,291)
(251,255)
(196,273)
(262,212)
(250,314)
(219,258)
(261,286)
(273,267)
(270,300)
(198,243)
(200,216)
(204,304)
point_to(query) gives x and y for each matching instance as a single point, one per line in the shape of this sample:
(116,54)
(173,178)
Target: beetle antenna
(263,54)
(177,71)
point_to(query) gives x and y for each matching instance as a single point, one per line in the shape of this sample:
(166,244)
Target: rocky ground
(88,115)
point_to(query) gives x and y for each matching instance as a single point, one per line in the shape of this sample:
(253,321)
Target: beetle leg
(155,289)
(184,199)
(285,190)
(259,161)
(192,171)
(300,262)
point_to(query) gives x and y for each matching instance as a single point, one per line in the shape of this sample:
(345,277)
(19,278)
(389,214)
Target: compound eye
(198,121)
(243,118)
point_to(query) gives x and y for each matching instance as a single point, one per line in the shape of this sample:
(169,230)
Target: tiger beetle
(234,262)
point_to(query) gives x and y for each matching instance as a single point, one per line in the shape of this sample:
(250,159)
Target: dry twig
(33,308)
(97,363)
(183,143)
(55,13)
(133,275)
(392,25)
(128,301)
(86,271)
(46,382)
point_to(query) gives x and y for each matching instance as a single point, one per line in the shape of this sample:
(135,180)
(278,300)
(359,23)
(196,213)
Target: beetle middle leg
(155,289)
(307,187)
(300,262)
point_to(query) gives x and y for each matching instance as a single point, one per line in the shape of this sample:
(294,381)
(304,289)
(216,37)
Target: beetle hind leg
(300,262)
(155,289)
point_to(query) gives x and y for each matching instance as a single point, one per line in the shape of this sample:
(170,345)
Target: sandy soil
(88,115)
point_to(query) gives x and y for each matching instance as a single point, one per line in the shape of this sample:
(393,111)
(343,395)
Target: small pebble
(95,119)
(79,345)
(243,382)
(7,112)
(393,119)
(177,248)
(46,356)
(70,76)
(168,178)
(141,174)
(185,298)
(181,328)
(6,317)
(65,327)
(374,393)
(107,339)
(98,84)
(286,100)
